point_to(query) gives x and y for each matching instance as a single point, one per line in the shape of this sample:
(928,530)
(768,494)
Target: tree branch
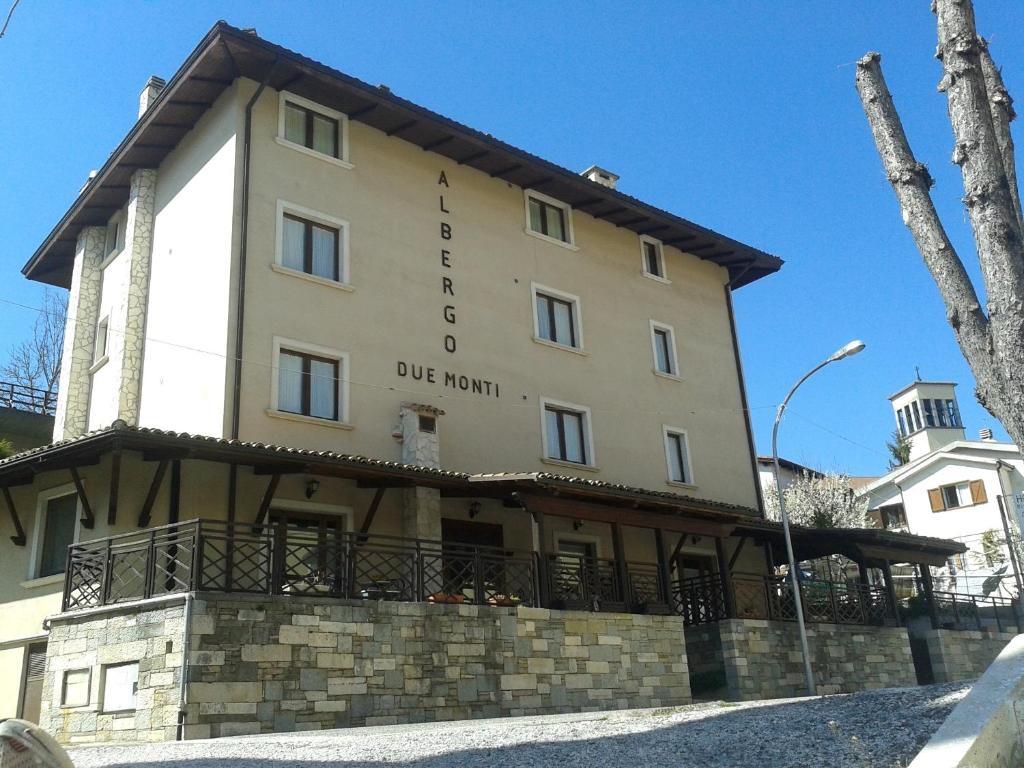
(1001,108)
(911,182)
(996,228)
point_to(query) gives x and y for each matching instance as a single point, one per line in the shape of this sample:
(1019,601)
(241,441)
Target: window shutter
(935,498)
(978,495)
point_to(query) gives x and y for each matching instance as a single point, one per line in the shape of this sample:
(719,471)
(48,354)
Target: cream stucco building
(316,316)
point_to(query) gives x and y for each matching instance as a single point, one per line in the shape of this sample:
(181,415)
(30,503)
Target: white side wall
(106,379)
(188,327)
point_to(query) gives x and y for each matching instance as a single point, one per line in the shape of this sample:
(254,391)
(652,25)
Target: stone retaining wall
(962,654)
(288,663)
(763,660)
(152,637)
(260,664)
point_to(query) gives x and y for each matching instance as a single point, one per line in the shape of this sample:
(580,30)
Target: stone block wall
(763,660)
(151,635)
(962,654)
(263,664)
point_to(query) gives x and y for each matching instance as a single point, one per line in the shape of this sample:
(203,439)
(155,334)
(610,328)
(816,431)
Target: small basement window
(74,690)
(120,686)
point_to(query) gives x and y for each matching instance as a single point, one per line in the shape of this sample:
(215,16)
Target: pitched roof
(158,442)
(227,53)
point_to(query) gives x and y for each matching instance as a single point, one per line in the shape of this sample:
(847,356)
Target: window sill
(563,347)
(570,464)
(657,278)
(663,375)
(678,484)
(110,258)
(43,581)
(98,364)
(551,240)
(313,153)
(308,419)
(312,278)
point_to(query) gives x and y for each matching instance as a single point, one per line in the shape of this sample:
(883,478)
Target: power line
(7,21)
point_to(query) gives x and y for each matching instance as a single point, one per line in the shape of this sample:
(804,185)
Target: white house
(952,487)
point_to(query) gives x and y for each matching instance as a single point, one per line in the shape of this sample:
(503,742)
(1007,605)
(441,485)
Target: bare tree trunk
(1001,106)
(980,112)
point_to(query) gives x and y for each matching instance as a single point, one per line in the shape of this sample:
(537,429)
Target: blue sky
(741,116)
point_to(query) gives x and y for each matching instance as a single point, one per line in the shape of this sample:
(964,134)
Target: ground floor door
(32,682)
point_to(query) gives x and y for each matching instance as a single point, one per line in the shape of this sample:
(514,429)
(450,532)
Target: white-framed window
(652,258)
(309,381)
(311,244)
(115,235)
(663,345)
(120,686)
(548,218)
(312,128)
(677,455)
(57,527)
(566,432)
(75,687)
(556,317)
(99,350)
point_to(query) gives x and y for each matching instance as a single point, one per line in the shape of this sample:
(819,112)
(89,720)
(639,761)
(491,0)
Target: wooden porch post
(621,572)
(890,588)
(544,585)
(663,570)
(726,578)
(929,594)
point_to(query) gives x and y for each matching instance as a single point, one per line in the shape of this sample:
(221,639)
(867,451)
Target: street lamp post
(847,351)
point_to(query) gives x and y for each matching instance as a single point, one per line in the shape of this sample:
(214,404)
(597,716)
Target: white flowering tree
(819,501)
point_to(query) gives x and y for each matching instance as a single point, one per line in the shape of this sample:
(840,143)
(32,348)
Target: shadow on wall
(876,728)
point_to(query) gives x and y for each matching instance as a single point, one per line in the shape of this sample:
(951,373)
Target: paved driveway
(879,728)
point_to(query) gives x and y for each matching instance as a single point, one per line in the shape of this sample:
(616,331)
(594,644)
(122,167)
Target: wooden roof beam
(401,127)
(146,513)
(431,145)
(19,532)
(474,156)
(506,169)
(362,111)
(88,520)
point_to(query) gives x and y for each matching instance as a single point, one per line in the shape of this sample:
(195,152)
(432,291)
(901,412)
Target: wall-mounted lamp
(474,509)
(312,486)
(577,524)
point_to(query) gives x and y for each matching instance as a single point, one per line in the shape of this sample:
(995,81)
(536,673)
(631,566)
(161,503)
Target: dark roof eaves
(760,261)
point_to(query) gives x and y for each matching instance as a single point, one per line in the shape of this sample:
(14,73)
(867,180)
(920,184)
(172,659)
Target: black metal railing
(700,600)
(278,558)
(24,398)
(579,582)
(960,611)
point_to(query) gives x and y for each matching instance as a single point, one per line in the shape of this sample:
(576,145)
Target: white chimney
(154,87)
(986,434)
(601,176)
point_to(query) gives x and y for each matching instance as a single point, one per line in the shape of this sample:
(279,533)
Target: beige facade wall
(395,313)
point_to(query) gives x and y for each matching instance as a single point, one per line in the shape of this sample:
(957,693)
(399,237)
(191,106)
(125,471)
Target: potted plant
(505,601)
(446,597)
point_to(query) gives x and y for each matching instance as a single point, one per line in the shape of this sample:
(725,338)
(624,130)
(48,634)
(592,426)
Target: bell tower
(928,414)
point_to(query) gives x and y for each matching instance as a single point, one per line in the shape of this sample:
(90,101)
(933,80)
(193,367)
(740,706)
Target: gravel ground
(877,729)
